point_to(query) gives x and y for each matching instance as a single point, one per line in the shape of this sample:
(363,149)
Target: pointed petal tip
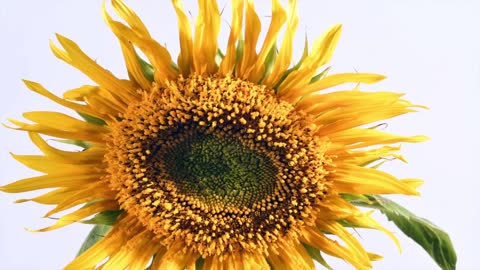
(7,126)
(337,27)
(422,138)
(20,200)
(27,82)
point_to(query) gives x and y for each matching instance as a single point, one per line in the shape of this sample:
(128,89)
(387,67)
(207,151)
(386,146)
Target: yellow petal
(158,55)
(290,255)
(352,242)
(252,31)
(45,127)
(315,238)
(333,80)
(365,221)
(87,193)
(133,66)
(52,197)
(50,181)
(63,122)
(285,53)
(322,51)
(47,165)
(362,137)
(278,19)
(320,103)
(228,62)
(176,257)
(138,246)
(38,88)
(74,56)
(80,214)
(92,155)
(129,16)
(106,247)
(185,58)
(207,27)
(360,180)
(98,98)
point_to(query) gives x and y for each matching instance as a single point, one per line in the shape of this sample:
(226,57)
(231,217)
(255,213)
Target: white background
(429,49)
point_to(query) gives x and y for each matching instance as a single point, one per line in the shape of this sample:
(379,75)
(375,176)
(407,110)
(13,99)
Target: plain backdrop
(429,49)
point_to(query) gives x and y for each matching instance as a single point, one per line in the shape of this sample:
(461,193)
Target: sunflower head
(227,158)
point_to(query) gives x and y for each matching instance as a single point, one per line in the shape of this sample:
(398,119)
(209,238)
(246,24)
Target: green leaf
(317,256)
(219,56)
(105,218)
(146,68)
(295,67)
(239,49)
(95,235)
(434,240)
(320,75)
(83,144)
(199,263)
(352,198)
(174,65)
(93,120)
(270,61)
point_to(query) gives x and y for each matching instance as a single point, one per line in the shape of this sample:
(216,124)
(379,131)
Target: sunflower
(233,159)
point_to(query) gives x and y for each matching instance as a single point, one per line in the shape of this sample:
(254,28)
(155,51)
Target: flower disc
(227,158)
(219,163)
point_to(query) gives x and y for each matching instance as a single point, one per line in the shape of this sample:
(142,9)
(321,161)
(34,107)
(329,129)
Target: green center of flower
(217,169)
(217,162)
